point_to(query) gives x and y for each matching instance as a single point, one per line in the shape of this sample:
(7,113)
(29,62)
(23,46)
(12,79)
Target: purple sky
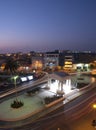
(43,25)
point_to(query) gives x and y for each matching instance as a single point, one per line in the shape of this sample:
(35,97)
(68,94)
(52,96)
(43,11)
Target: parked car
(94,123)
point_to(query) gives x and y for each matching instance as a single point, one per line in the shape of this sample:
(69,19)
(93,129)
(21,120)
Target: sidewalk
(32,105)
(32,108)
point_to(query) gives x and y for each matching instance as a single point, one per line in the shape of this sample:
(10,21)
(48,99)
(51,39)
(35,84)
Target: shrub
(17,104)
(51,99)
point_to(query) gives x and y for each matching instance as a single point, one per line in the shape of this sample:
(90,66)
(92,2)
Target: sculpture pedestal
(59,92)
(47,87)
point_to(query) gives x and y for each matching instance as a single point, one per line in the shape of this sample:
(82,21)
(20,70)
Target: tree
(11,66)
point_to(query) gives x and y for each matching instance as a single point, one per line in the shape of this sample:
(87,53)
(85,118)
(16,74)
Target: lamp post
(94,106)
(15,79)
(16,103)
(94,121)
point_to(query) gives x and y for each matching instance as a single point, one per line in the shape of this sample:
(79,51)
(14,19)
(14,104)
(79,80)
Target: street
(66,115)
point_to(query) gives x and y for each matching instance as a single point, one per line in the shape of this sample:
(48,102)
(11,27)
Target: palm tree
(11,66)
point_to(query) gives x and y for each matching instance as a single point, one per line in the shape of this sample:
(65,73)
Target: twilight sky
(46,25)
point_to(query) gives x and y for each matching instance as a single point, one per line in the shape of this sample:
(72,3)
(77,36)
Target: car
(94,123)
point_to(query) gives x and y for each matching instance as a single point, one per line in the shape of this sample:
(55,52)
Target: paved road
(65,115)
(25,86)
(52,121)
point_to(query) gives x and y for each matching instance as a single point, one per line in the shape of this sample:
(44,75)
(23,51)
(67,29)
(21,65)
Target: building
(51,60)
(37,61)
(68,62)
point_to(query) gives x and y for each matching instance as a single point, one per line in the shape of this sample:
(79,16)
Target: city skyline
(39,25)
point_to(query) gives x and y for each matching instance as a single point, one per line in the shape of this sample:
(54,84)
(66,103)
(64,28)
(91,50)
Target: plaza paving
(34,103)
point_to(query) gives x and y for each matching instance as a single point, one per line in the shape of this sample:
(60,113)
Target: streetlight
(94,121)
(94,106)
(15,79)
(16,103)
